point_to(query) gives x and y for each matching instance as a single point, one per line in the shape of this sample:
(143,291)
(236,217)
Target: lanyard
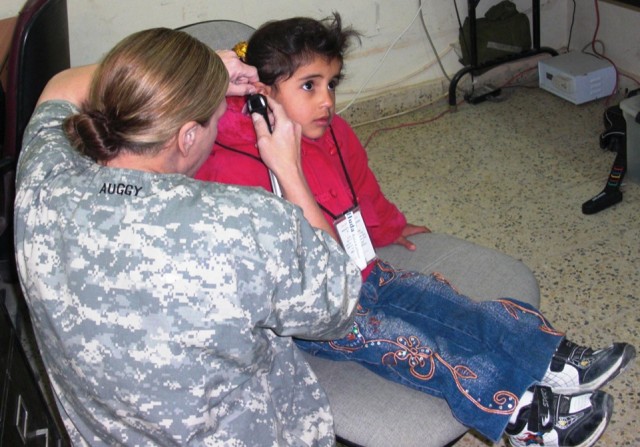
(346,175)
(342,163)
(238,151)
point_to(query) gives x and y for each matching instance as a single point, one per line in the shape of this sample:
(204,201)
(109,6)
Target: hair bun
(90,133)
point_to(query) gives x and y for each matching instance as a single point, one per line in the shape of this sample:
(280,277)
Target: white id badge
(354,237)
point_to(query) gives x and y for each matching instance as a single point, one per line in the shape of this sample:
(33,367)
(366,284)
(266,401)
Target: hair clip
(241,50)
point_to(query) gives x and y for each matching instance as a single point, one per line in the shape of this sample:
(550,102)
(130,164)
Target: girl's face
(309,96)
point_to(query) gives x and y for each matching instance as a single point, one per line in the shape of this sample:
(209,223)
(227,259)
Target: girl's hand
(410,230)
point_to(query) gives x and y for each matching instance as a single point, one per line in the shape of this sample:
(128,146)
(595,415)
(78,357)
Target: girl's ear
(263,88)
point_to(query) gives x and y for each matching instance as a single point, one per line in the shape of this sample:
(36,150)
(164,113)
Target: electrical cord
(594,39)
(403,125)
(464,43)
(433,47)
(438,60)
(573,19)
(593,43)
(443,113)
(406,77)
(381,62)
(401,113)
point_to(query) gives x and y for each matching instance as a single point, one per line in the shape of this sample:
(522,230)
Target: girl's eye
(307,85)
(333,85)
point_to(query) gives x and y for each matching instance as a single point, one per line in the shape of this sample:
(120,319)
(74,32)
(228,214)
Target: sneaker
(576,369)
(555,420)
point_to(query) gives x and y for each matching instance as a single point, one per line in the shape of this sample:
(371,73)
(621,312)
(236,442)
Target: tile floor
(512,175)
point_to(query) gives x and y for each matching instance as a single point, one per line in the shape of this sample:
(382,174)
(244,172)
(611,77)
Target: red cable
(415,123)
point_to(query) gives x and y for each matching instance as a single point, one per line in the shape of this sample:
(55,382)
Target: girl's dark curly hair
(278,48)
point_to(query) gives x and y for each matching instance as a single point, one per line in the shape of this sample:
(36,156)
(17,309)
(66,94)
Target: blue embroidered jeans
(417,330)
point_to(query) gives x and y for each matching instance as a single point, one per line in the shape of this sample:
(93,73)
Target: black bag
(613,138)
(615,126)
(615,129)
(503,31)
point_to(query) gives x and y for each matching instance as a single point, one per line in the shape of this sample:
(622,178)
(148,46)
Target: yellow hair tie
(241,50)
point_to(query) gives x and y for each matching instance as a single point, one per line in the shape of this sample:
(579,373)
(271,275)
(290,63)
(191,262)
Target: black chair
(39,49)
(219,34)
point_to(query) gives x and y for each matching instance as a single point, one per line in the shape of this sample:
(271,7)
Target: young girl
(499,364)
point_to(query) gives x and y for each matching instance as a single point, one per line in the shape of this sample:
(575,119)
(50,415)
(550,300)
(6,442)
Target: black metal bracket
(474,66)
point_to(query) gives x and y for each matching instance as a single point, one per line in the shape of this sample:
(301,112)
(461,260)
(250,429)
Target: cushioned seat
(371,411)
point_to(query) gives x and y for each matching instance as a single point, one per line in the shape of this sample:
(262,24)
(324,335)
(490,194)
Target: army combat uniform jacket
(164,306)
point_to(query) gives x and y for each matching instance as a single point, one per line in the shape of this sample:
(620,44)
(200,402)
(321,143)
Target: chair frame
(39,49)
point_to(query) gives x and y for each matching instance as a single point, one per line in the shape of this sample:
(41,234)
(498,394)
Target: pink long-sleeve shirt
(235,159)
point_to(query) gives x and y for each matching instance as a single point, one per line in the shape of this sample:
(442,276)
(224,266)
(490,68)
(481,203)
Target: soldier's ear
(187,137)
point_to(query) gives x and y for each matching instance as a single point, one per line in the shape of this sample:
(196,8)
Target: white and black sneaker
(554,420)
(576,369)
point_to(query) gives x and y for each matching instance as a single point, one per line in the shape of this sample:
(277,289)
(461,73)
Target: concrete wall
(96,25)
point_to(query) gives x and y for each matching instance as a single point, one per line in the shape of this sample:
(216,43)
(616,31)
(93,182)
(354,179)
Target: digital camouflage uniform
(164,306)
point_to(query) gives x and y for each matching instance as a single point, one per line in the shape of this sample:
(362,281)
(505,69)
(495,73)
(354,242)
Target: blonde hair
(144,90)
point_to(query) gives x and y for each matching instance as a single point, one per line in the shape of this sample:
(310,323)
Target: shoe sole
(620,366)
